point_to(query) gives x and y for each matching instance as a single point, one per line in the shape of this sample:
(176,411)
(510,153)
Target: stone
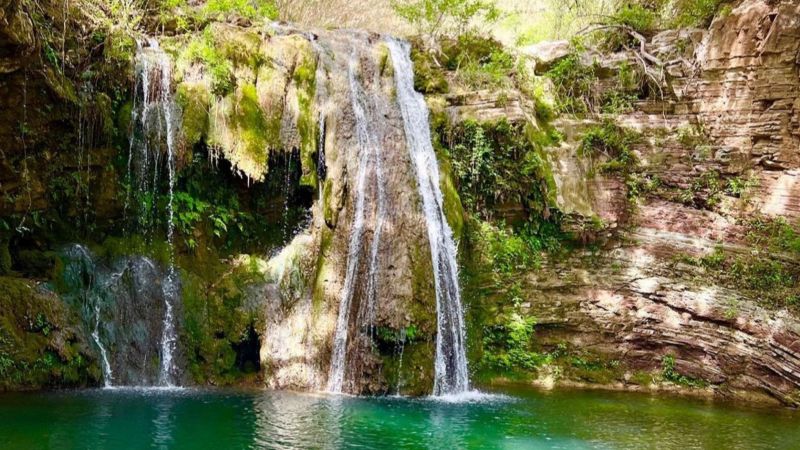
(546,54)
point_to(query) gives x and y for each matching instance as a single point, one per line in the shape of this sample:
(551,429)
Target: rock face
(731,109)
(546,54)
(367,244)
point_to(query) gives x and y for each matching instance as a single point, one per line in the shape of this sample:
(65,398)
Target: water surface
(203,419)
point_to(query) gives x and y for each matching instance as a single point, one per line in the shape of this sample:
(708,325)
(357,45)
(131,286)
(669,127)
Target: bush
(507,346)
(434,18)
(632,17)
(495,163)
(478,62)
(573,83)
(695,13)
(249,9)
(613,141)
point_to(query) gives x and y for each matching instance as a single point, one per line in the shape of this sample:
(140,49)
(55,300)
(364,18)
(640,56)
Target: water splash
(451,374)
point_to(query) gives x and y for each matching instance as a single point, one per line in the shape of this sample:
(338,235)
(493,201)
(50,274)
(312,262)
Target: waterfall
(402,344)
(154,117)
(451,375)
(369,155)
(108,377)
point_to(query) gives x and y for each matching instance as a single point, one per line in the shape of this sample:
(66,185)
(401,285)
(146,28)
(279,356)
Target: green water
(199,419)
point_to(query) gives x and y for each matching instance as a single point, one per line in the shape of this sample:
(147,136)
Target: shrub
(630,17)
(434,18)
(494,163)
(507,346)
(573,83)
(249,9)
(613,141)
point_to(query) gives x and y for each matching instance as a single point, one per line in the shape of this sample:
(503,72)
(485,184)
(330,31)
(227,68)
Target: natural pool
(226,419)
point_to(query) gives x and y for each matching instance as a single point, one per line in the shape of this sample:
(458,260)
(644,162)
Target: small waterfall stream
(451,375)
(155,117)
(369,157)
(108,376)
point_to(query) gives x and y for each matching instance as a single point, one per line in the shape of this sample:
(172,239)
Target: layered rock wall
(730,111)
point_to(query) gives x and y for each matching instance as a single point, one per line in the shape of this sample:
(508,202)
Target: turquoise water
(202,419)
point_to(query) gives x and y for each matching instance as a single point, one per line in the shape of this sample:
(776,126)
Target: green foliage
(630,17)
(613,142)
(429,77)
(696,13)
(768,274)
(209,210)
(508,346)
(574,83)
(219,324)
(39,346)
(498,163)
(203,49)
(576,86)
(478,62)
(249,9)
(669,373)
(470,62)
(433,18)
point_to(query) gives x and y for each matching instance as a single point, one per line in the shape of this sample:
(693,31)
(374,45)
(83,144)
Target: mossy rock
(428,77)
(240,130)
(219,322)
(41,341)
(194,101)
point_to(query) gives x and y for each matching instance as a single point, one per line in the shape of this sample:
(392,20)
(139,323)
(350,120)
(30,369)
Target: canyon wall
(730,113)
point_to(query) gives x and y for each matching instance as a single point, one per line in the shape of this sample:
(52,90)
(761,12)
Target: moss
(318,290)
(329,211)
(594,368)
(385,66)
(304,78)
(453,210)
(115,247)
(123,116)
(119,48)
(422,310)
(5,256)
(217,322)
(194,102)
(243,132)
(428,77)
(239,46)
(40,342)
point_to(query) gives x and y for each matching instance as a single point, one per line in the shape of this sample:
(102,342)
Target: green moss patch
(41,343)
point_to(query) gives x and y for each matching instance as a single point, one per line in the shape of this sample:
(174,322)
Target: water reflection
(199,419)
(163,423)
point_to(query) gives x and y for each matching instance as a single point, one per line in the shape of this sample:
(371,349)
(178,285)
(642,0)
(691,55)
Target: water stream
(451,375)
(153,146)
(108,376)
(367,158)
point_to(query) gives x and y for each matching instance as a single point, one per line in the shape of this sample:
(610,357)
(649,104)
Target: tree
(434,18)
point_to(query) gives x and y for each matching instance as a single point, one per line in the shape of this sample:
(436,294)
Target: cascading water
(154,117)
(451,374)
(369,157)
(120,302)
(108,376)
